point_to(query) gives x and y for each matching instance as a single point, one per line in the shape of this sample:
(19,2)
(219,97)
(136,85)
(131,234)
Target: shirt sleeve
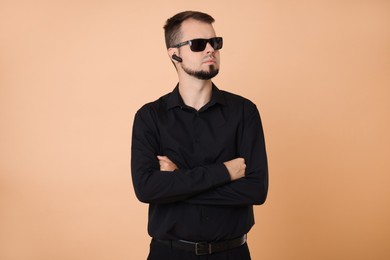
(253,188)
(154,186)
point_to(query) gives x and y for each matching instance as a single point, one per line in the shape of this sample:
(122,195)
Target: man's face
(204,64)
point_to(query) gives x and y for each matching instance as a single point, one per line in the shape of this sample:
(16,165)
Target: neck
(194,92)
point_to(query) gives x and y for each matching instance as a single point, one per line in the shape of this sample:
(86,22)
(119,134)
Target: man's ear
(171,51)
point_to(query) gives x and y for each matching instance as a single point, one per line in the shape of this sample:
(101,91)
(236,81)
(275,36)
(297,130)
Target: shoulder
(150,113)
(237,101)
(154,106)
(241,108)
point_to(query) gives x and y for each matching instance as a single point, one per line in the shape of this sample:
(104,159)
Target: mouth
(210,61)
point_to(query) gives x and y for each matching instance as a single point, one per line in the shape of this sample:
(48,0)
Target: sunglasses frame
(190,42)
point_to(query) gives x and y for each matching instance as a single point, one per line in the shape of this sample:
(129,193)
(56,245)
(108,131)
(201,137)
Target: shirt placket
(198,138)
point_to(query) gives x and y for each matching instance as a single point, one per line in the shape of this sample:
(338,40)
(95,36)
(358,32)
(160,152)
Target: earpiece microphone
(177,58)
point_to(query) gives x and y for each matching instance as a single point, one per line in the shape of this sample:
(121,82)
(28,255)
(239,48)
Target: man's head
(190,36)
(173,25)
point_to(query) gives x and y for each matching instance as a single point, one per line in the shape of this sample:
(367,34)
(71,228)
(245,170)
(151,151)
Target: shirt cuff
(220,174)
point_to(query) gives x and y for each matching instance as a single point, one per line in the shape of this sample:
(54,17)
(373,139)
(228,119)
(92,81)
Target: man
(198,154)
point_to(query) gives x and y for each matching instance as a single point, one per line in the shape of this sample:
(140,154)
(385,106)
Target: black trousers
(163,252)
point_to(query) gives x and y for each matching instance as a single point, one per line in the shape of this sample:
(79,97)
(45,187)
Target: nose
(209,48)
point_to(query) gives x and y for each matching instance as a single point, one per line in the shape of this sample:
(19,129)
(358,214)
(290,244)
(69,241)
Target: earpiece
(177,58)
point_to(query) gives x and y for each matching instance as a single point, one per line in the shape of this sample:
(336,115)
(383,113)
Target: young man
(198,154)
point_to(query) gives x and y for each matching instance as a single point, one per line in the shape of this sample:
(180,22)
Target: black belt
(204,248)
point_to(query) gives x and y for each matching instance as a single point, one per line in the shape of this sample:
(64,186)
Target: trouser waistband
(204,248)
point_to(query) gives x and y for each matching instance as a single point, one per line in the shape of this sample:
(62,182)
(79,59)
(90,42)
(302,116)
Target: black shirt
(199,202)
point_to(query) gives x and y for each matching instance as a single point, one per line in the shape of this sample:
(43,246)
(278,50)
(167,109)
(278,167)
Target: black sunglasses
(197,45)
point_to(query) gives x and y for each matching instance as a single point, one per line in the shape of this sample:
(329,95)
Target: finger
(163,158)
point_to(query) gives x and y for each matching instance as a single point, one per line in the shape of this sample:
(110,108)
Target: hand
(166,164)
(236,168)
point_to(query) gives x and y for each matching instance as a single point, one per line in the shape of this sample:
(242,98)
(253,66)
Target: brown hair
(173,25)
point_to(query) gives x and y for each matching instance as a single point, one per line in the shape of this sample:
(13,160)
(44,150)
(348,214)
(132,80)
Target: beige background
(73,73)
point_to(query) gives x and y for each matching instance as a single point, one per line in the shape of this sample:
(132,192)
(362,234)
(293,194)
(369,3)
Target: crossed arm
(235,167)
(236,182)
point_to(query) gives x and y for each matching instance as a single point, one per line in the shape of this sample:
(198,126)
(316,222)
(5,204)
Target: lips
(209,61)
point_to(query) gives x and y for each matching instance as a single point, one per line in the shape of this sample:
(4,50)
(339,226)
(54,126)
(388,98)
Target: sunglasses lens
(216,43)
(198,45)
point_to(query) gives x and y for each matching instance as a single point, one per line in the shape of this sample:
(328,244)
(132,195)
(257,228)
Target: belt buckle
(203,248)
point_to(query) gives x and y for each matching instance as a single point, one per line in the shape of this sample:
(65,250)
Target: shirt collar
(175,99)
